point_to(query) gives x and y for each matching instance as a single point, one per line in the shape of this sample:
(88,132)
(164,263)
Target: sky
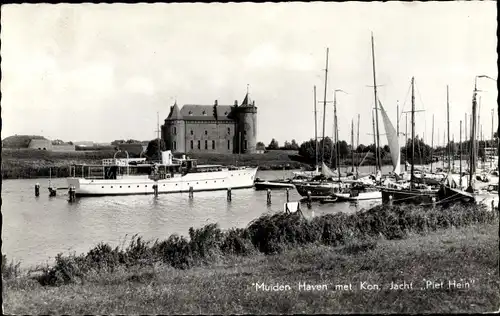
(101,72)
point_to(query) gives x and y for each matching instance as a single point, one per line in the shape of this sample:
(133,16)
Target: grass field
(427,250)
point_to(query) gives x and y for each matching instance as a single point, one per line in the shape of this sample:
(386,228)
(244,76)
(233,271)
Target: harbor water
(36,229)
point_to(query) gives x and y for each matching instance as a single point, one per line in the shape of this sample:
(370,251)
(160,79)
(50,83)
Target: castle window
(175,130)
(229,130)
(206,133)
(192,133)
(204,113)
(228,145)
(190,112)
(206,144)
(244,132)
(199,144)
(245,144)
(192,144)
(225,113)
(174,145)
(213,144)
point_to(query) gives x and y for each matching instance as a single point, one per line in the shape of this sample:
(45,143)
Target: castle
(212,128)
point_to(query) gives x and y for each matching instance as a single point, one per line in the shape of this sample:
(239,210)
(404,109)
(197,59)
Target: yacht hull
(135,185)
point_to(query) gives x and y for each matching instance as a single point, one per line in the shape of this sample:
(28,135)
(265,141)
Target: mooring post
(287,195)
(229,194)
(191,192)
(155,189)
(493,205)
(268,196)
(433,202)
(52,191)
(37,189)
(309,199)
(72,193)
(390,200)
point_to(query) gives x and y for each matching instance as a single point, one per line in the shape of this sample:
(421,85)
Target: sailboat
(450,192)
(412,194)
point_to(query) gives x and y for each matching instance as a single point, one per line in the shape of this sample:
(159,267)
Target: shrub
(11,270)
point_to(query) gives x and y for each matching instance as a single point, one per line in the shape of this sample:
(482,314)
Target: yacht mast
(472,167)
(374,139)
(158,134)
(377,144)
(315,130)
(432,142)
(352,145)
(460,182)
(412,179)
(448,117)
(324,108)
(357,145)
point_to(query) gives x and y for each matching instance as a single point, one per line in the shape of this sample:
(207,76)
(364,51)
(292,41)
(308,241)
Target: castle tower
(173,132)
(246,118)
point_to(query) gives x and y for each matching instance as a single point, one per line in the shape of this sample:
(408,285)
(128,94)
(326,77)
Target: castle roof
(247,102)
(175,113)
(197,112)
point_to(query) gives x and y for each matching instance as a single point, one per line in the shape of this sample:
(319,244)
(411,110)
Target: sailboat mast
(465,134)
(315,130)
(412,179)
(352,145)
(478,130)
(335,128)
(158,134)
(432,142)
(460,182)
(448,117)
(491,143)
(324,108)
(377,144)
(374,140)
(472,167)
(357,145)
(406,142)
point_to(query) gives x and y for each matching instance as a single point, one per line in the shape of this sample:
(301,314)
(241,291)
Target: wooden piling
(72,194)
(309,199)
(287,195)
(155,189)
(268,196)
(52,191)
(191,192)
(37,189)
(390,200)
(229,194)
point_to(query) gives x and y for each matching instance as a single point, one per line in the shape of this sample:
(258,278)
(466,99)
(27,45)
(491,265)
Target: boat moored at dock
(171,175)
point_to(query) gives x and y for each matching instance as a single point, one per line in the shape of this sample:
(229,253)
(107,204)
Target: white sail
(393,140)
(327,172)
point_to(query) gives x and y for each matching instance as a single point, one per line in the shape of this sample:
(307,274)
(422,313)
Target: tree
(152,149)
(132,141)
(294,145)
(117,142)
(260,146)
(273,144)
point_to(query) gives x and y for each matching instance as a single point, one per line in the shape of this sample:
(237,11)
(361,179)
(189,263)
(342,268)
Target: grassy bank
(27,163)
(217,271)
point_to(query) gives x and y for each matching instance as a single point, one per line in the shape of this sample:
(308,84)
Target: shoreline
(230,271)
(33,164)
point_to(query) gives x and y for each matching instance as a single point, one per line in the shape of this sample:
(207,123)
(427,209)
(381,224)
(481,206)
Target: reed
(268,234)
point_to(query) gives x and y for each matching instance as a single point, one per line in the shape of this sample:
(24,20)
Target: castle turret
(174,130)
(246,118)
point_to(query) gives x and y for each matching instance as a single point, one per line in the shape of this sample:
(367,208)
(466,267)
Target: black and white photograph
(250,158)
